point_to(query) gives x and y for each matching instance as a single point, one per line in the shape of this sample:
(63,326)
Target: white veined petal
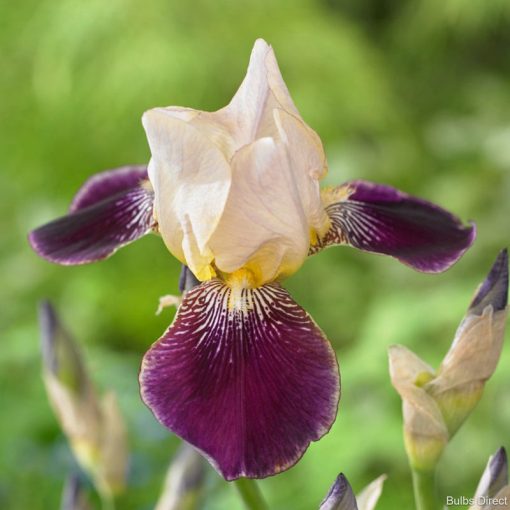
(191,180)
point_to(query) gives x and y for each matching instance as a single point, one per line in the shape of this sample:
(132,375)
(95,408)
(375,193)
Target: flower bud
(435,404)
(61,357)
(475,351)
(425,433)
(94,428)
(184,481)
(341,495)
(74,497)
(493,487)
(369,496)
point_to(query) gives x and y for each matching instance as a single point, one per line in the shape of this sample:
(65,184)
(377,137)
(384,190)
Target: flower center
(239,281)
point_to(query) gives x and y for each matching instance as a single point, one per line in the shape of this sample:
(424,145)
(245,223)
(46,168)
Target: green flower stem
(424,485)
(250,494)
(107,500)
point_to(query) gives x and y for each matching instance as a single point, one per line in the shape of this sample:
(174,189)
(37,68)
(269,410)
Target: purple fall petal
(107,184)
(112,209)
(340,496)
(245,376)
(494,289)
(381,219)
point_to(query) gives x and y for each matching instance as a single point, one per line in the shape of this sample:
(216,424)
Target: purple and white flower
(243,373)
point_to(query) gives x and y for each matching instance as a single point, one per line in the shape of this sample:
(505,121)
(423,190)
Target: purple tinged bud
(184,481)
(73,496)
(94,427)
(494,289)
(495,476)
(60,355)
(340,496)
(437,402)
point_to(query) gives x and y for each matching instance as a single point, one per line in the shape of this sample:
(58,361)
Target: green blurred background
(412,94)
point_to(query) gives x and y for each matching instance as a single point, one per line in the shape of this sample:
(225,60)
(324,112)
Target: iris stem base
(250,494)
(424,486)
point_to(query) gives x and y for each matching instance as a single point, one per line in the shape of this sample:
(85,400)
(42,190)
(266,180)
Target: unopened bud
(341,495)
(475,351)
(74,497)
(184,481)
(95,429)
(493,487)
(61,357)
(369,496)
(436,403)
(425,433)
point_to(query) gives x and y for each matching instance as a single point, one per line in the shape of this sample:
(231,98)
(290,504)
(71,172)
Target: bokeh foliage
(412,94)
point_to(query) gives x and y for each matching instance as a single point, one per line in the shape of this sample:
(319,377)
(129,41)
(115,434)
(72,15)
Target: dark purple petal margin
(111,210)
(381,219)
(494,289)
(340,496)
(245,376)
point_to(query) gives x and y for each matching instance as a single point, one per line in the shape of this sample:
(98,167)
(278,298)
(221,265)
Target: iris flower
(243,373)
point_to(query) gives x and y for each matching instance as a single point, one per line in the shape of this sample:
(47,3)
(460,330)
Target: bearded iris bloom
(243,373)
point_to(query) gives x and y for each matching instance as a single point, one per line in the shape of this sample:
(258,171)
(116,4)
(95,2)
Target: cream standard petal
(249,115)
(264,226)
(307,162)
(215,126)
(250,112)
(274,207)
(191,180)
